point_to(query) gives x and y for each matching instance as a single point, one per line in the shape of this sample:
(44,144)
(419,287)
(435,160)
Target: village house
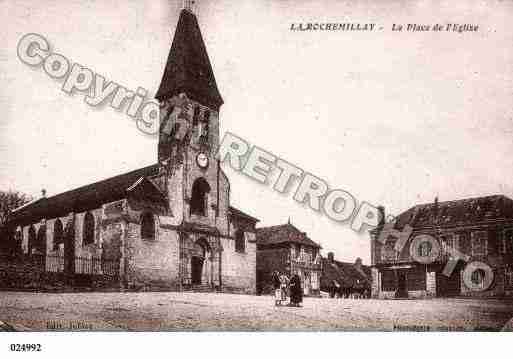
(286,249)
(479,228)
(345,279)
(168,225)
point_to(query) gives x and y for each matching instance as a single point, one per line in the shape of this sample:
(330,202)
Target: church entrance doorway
(198,259)
(196,270)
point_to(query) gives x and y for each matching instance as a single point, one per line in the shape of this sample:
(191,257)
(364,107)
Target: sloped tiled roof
(188,67)
(81,199)
(331,274)
(458,212)
(237,212)
(345,274)
(282,234)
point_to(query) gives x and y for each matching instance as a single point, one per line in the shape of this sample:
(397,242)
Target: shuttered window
(508,277)
(479,242)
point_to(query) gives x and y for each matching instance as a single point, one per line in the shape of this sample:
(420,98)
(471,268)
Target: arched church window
(18,237)
(88,237)
(206,124)
(31,239)
(148,226)
(200,190)
(240,243)
(58,234)
(41,240)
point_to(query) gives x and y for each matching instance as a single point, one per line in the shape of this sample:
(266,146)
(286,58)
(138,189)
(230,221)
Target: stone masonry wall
(239,269)
(152,263)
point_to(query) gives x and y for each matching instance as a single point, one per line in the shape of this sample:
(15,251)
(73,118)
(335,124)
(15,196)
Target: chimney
(43,193)
(331,257)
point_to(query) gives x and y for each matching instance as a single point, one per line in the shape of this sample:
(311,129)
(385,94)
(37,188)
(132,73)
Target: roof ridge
(462,200)
(100,181)
(243,213)
(84,197)
(274,226)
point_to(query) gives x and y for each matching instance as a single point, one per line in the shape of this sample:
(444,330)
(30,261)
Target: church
(169,225)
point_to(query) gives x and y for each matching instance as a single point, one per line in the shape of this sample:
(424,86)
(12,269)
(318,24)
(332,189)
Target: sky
(394,118)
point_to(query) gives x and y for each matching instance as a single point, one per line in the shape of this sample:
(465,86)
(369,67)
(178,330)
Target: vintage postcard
(211,165)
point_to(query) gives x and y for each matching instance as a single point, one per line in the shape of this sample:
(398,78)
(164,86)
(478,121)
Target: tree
(10,200)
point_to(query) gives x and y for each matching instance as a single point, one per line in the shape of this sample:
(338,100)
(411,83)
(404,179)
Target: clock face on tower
(202,160)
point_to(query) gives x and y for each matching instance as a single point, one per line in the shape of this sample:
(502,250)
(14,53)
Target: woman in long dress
(296,292)
(277,288)
(284,285)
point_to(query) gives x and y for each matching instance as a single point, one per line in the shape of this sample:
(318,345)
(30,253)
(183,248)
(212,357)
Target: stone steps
(199,288)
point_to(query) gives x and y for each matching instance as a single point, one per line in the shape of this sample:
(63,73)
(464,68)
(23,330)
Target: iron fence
(57,264)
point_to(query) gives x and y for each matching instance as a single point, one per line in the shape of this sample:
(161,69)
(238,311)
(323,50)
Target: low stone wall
(28,273)
(19,273)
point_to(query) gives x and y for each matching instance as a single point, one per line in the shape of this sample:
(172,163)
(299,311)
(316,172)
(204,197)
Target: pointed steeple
(188,67)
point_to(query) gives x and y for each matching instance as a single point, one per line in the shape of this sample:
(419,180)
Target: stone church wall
(152,263)
(239,269)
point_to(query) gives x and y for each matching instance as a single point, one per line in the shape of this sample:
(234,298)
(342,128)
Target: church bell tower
(188,94)
(189,121)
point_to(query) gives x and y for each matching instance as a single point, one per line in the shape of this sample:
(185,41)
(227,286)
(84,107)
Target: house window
(389,253)
(449,243)
(507,241)
(424,249)
(88,237)
(147,226)
(307,255)
(455,242)
(58,234)
(479,243)
(240,243)
(478,278)
(508,277)
(199,198)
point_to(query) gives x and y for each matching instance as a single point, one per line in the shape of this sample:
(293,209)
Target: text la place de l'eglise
(327,26)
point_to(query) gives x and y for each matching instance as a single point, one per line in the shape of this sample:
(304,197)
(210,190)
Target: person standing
(296,291)
(277,288)
(284,284)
